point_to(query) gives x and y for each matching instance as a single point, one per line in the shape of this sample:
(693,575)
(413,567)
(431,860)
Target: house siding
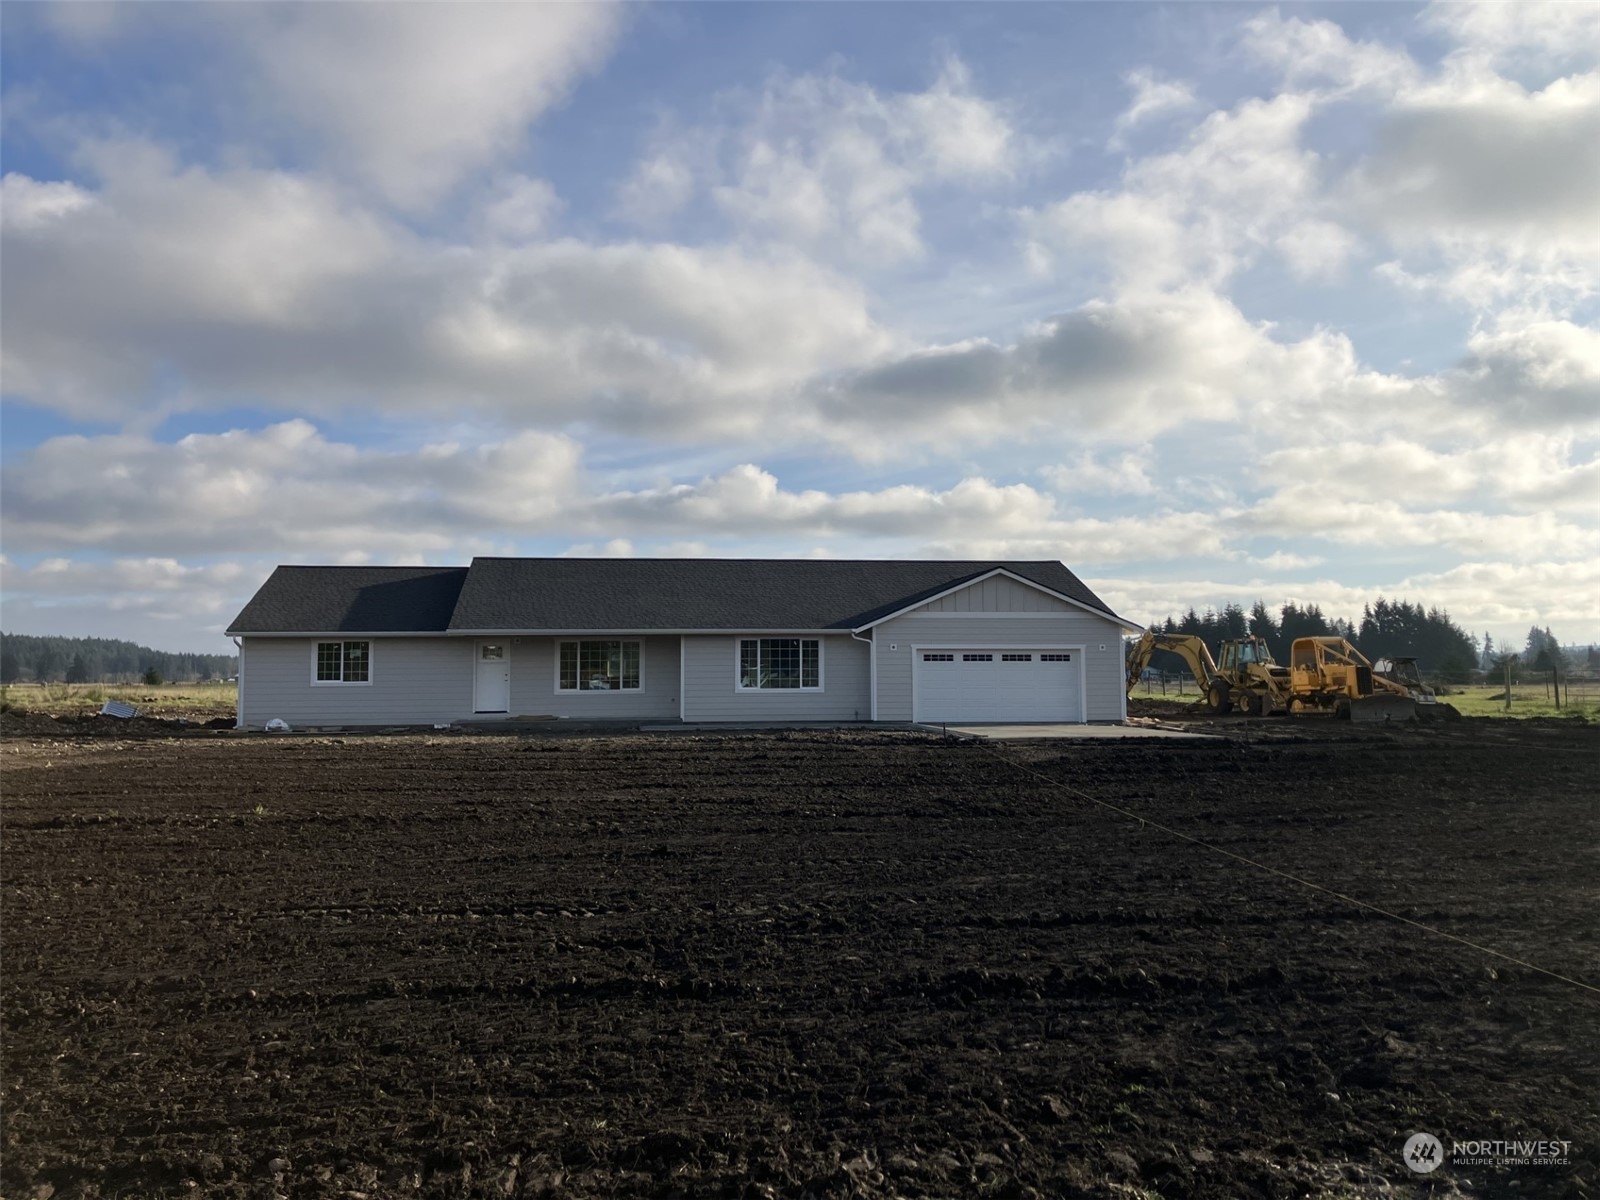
(989,617)
(415,681)
(998,593)
(710,671)
(534,692)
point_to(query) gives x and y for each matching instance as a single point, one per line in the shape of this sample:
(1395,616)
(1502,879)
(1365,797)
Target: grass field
(1528,700)
(160,700)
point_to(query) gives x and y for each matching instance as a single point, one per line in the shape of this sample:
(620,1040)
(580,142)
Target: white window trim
(822,664)
(583,691)
(1079,649)
(372,666)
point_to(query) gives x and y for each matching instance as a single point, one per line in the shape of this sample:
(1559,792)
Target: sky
(1212,302)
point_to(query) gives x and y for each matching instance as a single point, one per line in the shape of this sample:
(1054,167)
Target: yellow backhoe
(1324,673)
(1244,678)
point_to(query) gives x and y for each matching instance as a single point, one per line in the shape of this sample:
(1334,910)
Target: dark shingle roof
(353,600)
(699,593)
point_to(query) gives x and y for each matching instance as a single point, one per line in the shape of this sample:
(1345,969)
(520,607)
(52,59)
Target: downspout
(1122,642)
(238,702)
(872,666)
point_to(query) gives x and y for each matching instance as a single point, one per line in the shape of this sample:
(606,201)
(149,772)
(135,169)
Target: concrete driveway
(1017,732)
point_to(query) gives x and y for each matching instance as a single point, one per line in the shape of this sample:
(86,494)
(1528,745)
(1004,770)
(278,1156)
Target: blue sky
(1211,302)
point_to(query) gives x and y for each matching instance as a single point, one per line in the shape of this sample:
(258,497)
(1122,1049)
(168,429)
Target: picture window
(780,663)
(599,666)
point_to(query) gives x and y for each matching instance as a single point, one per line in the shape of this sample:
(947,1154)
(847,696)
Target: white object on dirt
(278,725)
(119,709)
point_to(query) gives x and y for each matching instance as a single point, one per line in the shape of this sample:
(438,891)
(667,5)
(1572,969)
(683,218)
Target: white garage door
(997,684)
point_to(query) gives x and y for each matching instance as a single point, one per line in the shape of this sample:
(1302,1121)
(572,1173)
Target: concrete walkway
(1006,733)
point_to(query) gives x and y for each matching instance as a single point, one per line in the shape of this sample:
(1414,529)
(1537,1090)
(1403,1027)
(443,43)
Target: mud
(843,964)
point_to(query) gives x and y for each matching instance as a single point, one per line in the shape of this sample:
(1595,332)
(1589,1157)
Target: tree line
(1541,653)
(1441,647)
(103,660)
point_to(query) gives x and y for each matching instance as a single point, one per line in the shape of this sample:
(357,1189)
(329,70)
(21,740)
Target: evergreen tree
(10,666)
(78,669)
(46,663)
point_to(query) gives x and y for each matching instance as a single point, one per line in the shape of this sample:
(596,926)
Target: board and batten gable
(711,676)
(414,681)
(1000,611)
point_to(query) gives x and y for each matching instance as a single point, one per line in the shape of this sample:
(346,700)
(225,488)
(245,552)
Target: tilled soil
(843,964)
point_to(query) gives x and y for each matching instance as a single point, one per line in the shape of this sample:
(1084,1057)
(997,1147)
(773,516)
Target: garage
(997,683)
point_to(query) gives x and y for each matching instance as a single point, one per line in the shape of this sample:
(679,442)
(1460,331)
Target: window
(598,667)
(343,662)
(780,663)
(977,658)
(1016,658)
(1055,658)
(938,658)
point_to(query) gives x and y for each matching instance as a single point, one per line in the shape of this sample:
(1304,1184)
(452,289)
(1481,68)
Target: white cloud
(27,204)
(828,164)
(1129,369)
(160,602)
(1303,511)
(519,209)
(1493,192)
(288,491)
(658,188)
(1527,471)
(1534,370)
(1320,52)
(1282,560)
(1488,189)
(413,96)
(1241,182)
(285,489)
(403,99)
(1547,33)
(178,289)
(1126,475)
(1152,98)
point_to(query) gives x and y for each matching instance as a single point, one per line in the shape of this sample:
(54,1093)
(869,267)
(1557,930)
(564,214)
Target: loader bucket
(1380,709)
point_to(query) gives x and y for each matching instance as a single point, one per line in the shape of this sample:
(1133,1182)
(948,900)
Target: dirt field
(849,964)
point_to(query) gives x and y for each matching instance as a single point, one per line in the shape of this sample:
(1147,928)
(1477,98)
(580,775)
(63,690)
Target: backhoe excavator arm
(1186,646)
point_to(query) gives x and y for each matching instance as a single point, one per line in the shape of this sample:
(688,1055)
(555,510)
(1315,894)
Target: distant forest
(1442,648)
(102,660)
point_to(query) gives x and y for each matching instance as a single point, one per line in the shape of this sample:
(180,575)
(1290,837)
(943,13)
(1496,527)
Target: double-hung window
(598,667)
(793,663)
(343,662)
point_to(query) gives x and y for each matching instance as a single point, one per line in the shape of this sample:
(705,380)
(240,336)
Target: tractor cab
(1239,655)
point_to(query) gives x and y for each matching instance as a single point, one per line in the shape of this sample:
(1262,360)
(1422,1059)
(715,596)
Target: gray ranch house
(663,640)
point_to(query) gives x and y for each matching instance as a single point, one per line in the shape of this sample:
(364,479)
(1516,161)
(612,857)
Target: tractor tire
(1255,704)
(1218,699)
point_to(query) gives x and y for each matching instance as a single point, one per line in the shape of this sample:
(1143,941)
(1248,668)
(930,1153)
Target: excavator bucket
(1381,709)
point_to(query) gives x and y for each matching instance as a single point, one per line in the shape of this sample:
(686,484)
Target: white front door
(492,693)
